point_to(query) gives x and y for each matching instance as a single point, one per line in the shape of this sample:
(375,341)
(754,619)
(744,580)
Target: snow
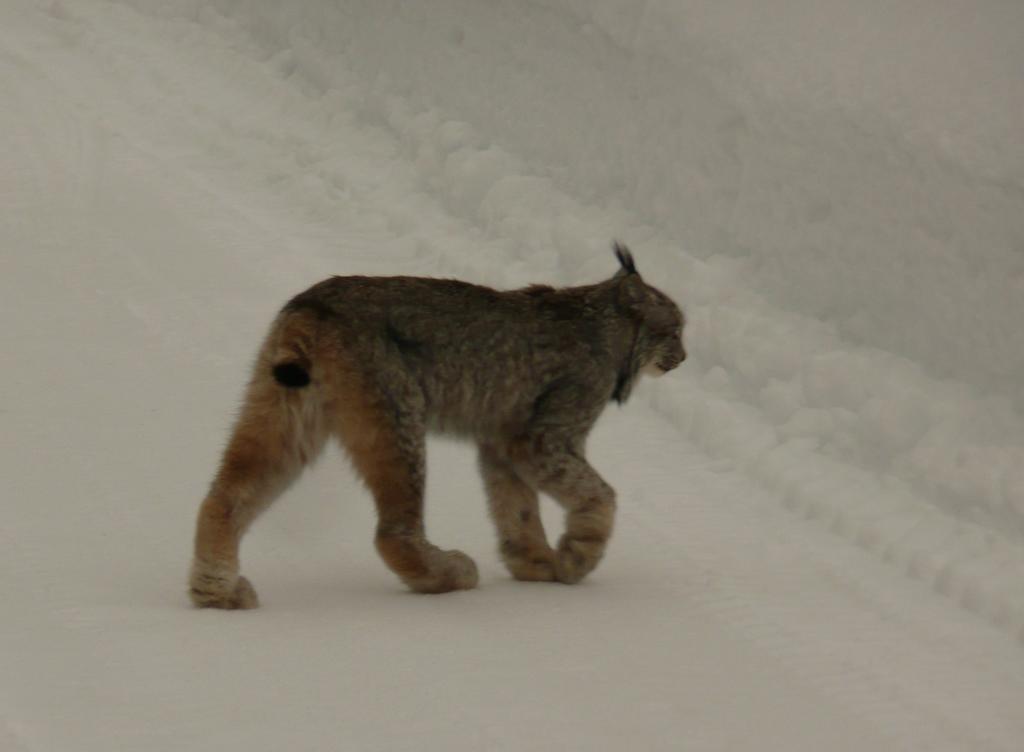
(820,538)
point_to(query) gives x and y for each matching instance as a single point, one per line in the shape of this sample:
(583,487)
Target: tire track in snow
(883,647)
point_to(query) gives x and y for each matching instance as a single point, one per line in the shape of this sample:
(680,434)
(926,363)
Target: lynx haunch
(378,362)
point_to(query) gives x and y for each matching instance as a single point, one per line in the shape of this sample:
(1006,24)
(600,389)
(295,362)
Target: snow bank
(835,195)
(809,159)
(866,163)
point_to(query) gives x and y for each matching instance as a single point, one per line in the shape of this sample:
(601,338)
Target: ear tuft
(625,257)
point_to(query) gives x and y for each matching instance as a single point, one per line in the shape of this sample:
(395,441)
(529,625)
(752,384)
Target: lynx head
(658,343)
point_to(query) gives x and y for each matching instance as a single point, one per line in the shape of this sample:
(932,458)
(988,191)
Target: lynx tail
(292,375)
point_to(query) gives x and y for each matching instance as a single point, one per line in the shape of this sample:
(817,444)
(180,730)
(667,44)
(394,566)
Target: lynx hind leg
(387,447)
(589,503)
(277,433)
(515,509)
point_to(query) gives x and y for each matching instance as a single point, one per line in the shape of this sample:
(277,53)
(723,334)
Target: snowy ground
(821,531)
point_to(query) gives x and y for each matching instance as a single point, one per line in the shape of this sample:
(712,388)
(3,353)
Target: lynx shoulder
(379,362)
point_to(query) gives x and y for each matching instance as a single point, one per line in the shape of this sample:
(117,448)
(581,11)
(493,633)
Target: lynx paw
(576,558)
(450,570)
(213,587)
(531,564)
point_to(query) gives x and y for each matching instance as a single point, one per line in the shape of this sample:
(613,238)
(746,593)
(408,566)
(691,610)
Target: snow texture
(820,540)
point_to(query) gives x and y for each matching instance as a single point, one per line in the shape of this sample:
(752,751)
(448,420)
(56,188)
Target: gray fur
(484,364)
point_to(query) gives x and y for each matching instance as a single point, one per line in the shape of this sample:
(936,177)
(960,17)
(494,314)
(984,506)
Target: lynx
(379,361)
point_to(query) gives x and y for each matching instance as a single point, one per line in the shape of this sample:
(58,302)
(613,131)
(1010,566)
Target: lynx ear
(631,288)
(632,292)
(625,259)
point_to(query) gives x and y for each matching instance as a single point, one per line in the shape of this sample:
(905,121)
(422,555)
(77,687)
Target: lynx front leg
(587,499)
(388,451)
(516,513)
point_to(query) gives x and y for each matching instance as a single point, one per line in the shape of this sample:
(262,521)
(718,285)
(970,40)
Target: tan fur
(515,509)
(277,434)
